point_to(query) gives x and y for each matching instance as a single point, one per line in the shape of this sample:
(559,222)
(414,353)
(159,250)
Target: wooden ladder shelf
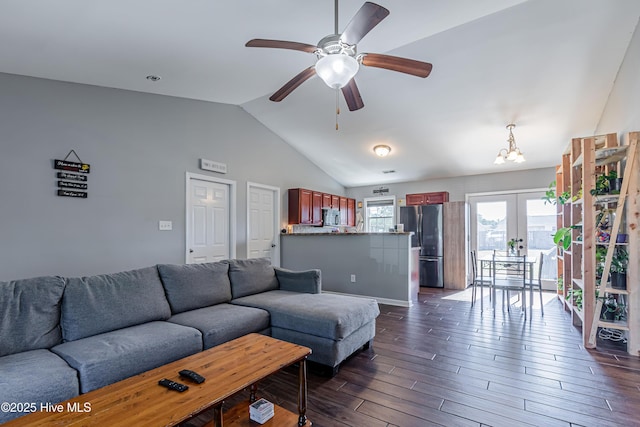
(630,173)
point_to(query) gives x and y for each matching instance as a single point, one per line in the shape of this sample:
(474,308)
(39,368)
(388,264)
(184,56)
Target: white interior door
(263,218)
(209,220)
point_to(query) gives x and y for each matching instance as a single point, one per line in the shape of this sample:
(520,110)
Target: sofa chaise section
(333,326)
(29,326)
(114,326)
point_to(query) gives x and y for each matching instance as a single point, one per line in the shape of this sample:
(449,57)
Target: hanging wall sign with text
(72,184)
(72,166)
(71,176)
(68,193)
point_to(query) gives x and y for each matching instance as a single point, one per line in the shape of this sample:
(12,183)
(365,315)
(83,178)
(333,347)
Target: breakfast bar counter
(378,265)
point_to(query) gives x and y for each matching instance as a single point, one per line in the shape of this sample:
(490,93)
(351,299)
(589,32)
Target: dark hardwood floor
(445,363)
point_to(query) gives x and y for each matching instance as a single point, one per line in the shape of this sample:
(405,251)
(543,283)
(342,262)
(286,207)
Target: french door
(521,217)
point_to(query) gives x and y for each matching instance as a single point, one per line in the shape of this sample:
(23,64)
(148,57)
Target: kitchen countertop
(407,233)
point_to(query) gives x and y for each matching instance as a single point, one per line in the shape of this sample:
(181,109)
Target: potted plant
(562,237)
(619,269)
(601,254)
(615,183)
(512,244)
(564,197)
(612,310)
(602,185)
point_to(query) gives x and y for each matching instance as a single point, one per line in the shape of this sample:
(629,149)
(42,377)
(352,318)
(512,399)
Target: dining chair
(509,274)
(480,280)
(536,283)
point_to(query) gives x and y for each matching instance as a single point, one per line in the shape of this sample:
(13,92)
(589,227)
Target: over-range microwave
(330,217)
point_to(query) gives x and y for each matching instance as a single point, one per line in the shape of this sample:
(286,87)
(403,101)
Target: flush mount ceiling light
(382,150)
(513,153)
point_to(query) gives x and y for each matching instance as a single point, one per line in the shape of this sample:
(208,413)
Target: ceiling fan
(338,60)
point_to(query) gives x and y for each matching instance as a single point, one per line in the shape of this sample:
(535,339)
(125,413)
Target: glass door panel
(538,226)
(498,218)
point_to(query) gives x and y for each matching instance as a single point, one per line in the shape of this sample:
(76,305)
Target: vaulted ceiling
(546,65)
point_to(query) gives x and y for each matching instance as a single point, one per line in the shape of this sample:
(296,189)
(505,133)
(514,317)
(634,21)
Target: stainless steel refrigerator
(426,224)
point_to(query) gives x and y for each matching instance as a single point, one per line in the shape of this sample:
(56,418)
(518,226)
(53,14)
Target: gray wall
(139,147)
(622,112)
(460,186)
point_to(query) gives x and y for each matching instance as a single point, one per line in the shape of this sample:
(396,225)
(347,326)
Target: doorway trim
(232,210)
(276,218)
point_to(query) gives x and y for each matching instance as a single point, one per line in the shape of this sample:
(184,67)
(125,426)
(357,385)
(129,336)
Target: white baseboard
(396,302)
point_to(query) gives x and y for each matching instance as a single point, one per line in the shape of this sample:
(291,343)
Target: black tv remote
(172,385)
(192,376)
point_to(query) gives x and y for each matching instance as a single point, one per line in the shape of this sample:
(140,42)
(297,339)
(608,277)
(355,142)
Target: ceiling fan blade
(281,44)
(352,96)
(395,63)
(289,87)
(369,15)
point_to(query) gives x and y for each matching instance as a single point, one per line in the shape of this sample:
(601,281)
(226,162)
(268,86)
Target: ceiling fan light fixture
(382,150)
(336,70)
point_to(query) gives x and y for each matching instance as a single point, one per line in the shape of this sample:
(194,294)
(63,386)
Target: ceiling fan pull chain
(337,106)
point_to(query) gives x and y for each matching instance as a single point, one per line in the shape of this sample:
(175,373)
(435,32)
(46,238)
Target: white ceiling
(546,65)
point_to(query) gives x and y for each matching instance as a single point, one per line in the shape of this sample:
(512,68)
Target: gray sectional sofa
(60,337)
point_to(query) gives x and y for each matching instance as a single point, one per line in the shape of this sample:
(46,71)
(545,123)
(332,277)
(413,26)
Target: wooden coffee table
(228,368)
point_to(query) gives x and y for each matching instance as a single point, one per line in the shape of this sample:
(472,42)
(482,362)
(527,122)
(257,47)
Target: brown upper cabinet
(300,206)
(316,207)
(335,201)
(351,212)
(343,211)
(305,207)
(427,198)
(326,201)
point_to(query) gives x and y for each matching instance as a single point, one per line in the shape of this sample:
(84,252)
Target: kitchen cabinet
(300,206)
(316,207)
(454,219)
(343,210)
(335,202)
(351,212)
(305,207)
(417,199)
(326,201)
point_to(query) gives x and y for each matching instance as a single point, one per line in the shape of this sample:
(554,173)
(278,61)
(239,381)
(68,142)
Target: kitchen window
(380,214)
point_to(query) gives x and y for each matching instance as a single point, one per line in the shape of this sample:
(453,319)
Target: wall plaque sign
(70,184)
(71,176)
(68,193)
(72,166)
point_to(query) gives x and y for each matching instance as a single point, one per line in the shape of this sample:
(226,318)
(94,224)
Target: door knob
(190,251)
(273,245)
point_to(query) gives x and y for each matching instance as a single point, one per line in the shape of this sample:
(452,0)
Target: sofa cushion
(193,286)
(35,377)
(324,315)
(30,314)
(251,276)
(106,358)
(97,304)
(223,322)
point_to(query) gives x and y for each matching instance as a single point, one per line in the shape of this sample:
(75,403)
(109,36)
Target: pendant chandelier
(513,153)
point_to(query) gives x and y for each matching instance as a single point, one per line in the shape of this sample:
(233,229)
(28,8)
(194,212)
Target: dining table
(486,264)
